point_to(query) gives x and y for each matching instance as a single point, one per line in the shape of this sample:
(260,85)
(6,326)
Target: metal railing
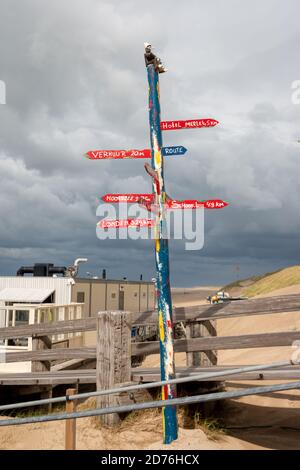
(130,388)
(152,404)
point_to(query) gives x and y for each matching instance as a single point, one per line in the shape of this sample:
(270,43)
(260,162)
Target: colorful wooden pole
(164,301)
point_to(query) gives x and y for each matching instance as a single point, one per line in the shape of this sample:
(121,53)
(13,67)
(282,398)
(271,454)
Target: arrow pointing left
(133,153)
(117,154)
(125,223)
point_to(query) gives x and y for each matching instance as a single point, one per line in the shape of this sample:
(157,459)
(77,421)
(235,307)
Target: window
(144,294)
(135,294)
(18,318)
(113,295)
(22,317)
(80,297)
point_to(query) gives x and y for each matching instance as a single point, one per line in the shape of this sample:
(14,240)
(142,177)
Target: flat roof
(113,281)
(24,294)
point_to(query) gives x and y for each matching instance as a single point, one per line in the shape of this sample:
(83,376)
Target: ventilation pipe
(25,270)
(42,270)
(72,271)
(48,269)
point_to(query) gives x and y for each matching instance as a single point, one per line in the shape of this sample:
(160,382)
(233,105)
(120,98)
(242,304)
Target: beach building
(44,293)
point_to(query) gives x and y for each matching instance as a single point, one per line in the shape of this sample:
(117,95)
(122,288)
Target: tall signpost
(160,201)
(163,289)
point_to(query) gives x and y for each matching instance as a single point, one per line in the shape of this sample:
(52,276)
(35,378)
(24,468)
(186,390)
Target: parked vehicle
(223,296)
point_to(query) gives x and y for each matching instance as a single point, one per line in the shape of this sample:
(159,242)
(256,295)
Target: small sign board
(125,223)
(118,154)
(129,198)
(173,151)
(215,204)
(189,124)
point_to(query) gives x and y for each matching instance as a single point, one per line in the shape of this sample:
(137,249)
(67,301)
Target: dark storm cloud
(75,81)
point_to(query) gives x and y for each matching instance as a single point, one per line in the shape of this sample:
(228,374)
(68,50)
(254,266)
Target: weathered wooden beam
(285,338)
(153,375)
(43,343)
(46,394)
(198,330)
(74,364)
(51,355)
(113,357)
(140,375)
(48,329)
(70,425)
(239,308)
(48,378)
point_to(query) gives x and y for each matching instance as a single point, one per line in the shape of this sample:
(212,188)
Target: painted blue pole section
(163,290)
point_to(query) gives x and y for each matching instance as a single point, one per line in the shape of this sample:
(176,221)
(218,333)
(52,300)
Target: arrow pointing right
(170,151)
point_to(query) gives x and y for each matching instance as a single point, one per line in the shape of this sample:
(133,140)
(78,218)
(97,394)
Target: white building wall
(62,286)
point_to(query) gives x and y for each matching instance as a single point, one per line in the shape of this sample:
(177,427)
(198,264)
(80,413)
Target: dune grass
(249,280)
(283,278)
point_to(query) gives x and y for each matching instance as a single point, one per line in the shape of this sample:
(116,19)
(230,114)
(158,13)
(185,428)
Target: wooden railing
(264,306)
(193,317)
(115,346)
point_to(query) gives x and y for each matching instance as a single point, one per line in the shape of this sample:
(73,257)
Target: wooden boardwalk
(139,374)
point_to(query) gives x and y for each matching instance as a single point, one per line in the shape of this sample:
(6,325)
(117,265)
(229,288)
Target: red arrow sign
(107,154)
(194,204)
(215,204)
(190,124)
(170,204)
(130,198)
(125,223)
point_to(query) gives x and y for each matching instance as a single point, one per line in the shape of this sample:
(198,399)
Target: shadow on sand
(272,427)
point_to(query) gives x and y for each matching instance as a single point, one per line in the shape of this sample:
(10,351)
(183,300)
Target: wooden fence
(115,346)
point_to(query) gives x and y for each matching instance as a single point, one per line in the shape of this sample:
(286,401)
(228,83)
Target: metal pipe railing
(130,388)
(152,404)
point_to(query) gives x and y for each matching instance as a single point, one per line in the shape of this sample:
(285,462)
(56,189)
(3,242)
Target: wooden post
(113,357)
(196,330)
(201,359)
(38,344)
(46,394)
(70,429)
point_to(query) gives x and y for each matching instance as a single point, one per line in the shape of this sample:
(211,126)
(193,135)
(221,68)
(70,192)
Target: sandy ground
(144,434)
(185,296)
(270,421)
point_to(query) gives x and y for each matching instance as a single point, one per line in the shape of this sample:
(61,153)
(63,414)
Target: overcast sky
(75,78)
